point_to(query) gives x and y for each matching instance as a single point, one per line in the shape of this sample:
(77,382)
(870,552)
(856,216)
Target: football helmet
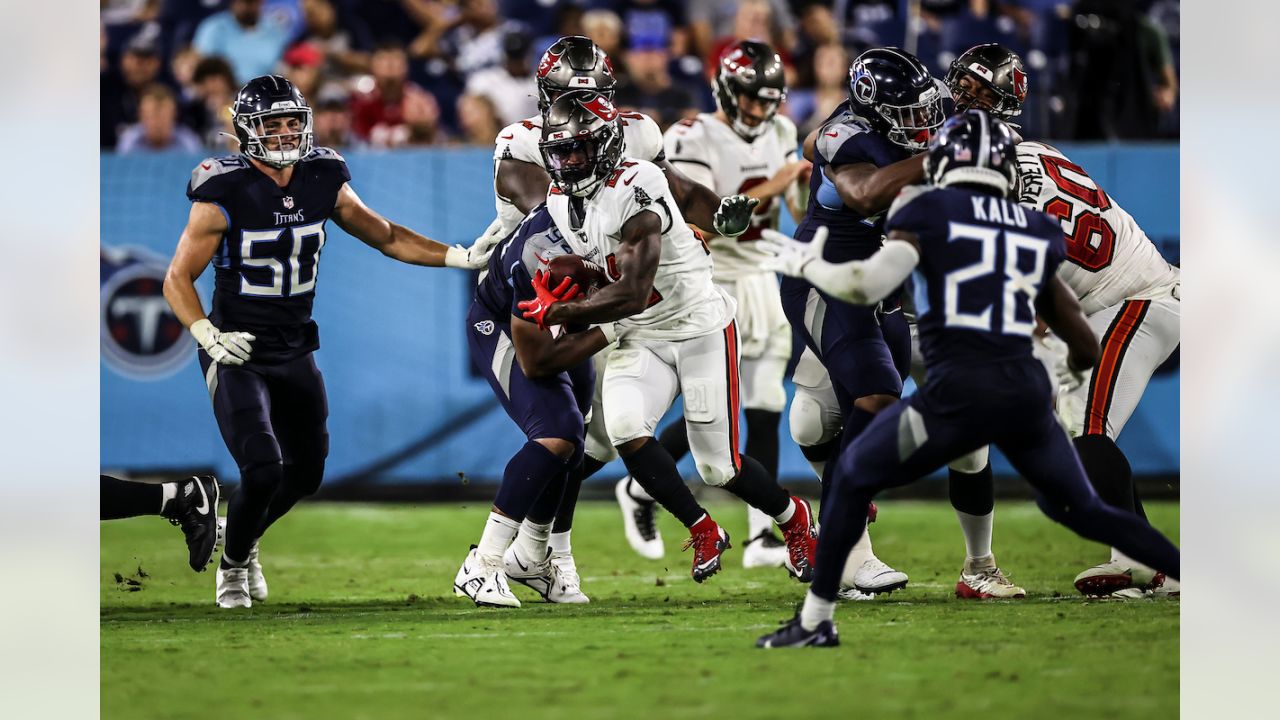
(894,92)
(996,68)
(573,62)
(974,148)
(753,69)
(581,141)
(264,98)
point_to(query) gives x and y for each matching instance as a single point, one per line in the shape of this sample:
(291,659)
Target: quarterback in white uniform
(619,212)
(520,184)
(1130,294)
(747,147)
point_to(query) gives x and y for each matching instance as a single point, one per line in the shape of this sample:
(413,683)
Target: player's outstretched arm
(541,355)
(869,189)
(729,216)
(522,183)
(398,241)
(860,282)
(1057,306)
(639,250)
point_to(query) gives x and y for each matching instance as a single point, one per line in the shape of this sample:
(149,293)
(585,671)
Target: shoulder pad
(906,196)
(214,167)
(323,153)
(833,135)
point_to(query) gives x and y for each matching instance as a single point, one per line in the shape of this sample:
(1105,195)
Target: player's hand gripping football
(225,348)
(789,257)
(733,217)
(536,309)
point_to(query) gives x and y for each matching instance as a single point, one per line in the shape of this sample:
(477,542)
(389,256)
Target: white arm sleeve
(864,282)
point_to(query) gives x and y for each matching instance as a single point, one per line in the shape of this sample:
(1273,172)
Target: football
(587,275)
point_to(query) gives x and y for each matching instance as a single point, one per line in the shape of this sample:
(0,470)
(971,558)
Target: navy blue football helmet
(894,92)
(265,98)
(976,148)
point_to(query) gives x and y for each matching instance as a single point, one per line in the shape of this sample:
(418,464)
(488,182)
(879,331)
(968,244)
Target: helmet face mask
(573,63)
(989,77)
(261,118)
(894,92)
(581,142)
(749,70)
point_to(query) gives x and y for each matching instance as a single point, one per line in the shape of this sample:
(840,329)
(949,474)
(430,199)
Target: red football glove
(536,309)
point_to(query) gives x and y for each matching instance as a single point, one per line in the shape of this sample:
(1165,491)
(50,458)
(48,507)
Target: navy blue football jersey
(983,262)
(266,267)
(845,139)
(509,279)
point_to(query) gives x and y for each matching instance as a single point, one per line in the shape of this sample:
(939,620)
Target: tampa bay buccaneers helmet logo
(549,60)
(1019,84)
(600,106)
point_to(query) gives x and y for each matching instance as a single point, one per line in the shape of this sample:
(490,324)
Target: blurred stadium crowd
(389,73)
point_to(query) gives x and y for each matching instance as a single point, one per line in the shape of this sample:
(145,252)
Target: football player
(259,216)
(520,184)
(546,387)
(984,267)
(747,147)
(191,504)
(619,212)
(1130,294)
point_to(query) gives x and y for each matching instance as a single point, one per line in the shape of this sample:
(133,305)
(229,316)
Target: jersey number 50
(1091,241)
(301,265)
(1020,288)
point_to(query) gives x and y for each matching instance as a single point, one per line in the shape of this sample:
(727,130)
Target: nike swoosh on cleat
(204,499)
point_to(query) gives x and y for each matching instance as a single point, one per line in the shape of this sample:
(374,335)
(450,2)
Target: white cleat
(257,582)
(1161,586)
(874,577)
(233,588)
(638,522)
(483,582)
(853,594)
(982,580)
(764,550)
(567,587)
(1111,577)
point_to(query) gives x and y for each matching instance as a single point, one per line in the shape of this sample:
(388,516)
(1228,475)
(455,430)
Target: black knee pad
(258,448)
(972,493)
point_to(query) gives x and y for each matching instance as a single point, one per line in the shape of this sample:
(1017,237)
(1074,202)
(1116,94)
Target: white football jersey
(711,153)
(685,302)
(1110,258)
(641,138)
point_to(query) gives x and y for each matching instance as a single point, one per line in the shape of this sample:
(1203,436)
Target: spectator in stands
(157,128)
(808,108)
(475,42)
(605,28)
(139,67)
(868,23)
(249,39)
(712,20)
(648,88)
(817,28)
(390,110)
(509,87)
(344,44)
(753,21)
(655,22)
(478,120)
(332,118)
(301,64)
(207,100)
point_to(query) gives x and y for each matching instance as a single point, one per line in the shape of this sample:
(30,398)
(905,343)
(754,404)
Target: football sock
(973,497)
(815,610)
(247,507)
(785,516)
(757,489)
(653,468)
(843,525)
(543,510)
(123,499)
(569,498)
(860,553)
(559,542)
(528,472)
(533,539)
(675,440)
(1108,470)
(757,523)
(977,533)
(762,438)
(498,533)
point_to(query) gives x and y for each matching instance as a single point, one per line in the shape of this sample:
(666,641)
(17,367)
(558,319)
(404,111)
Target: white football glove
(788,256)
(225,348)
(476,256)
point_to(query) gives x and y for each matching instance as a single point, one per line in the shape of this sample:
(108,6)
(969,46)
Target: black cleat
(195,509)
(792,634)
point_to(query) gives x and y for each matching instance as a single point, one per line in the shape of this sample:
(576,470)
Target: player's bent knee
(716,475)
(258,448)
(806,421)
(561,448)
(971,463)
(874,403)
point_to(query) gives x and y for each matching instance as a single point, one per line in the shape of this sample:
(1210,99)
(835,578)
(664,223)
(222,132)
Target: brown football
(588,276)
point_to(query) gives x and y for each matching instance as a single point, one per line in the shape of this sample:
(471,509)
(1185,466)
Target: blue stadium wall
(404,404)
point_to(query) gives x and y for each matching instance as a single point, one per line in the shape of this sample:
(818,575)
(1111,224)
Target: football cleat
(764,550)
(802,541)
(1111,577)
(483,581)
(638,522)
(874,577)
(793,634)
(853,594)
(1161,586)
(981,579)
(195,510)
(709,541)
(568,586)
(232,590)
(257,581)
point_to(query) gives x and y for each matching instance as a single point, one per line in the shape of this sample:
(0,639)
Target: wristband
(455,257)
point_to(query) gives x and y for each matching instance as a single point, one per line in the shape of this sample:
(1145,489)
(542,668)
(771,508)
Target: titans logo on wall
(141,337)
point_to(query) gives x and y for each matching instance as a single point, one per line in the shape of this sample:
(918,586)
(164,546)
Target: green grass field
(362,623)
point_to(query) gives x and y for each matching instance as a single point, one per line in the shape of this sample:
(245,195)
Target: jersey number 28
(1020,286)
(300,266)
